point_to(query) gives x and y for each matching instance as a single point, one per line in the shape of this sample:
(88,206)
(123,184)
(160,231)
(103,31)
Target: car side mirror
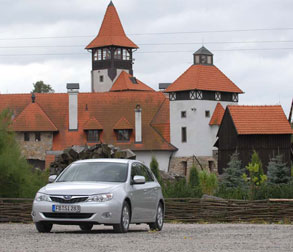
(138,180)
(52,178)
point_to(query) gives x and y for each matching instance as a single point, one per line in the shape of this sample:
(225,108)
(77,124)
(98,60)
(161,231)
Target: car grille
(68,215)
(72,200)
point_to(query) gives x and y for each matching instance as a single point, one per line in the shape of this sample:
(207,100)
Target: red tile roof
(122,124)
(259,120)
(217,115)
(203,77)
(33,118)
(124,83)
(107,108)
(111,32)
(92,124)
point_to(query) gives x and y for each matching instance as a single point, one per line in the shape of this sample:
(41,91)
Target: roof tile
(203,77)
(111,32)
(259,120)
(124,83)
(217,115)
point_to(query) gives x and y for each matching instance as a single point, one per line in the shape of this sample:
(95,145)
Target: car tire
(158,224)
(43,227)
(86,227)
(123,226)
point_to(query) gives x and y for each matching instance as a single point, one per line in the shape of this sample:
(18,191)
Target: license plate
(66,208)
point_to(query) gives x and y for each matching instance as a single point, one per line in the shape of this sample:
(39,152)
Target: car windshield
(95,171)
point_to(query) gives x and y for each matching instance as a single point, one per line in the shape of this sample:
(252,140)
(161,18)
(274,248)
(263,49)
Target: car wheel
(43,227)
(158,224)
(123,226)
(86,227)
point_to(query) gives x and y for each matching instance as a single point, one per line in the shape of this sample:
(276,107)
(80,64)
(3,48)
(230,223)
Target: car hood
(80,188)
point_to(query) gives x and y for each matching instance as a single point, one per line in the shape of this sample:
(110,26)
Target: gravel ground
(174,237)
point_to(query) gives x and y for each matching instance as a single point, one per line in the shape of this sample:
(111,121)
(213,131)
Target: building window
(218,96)
(207,112)
(183,114)
(117,53)
(183,135)
(126,54)
(106,54)
(172,96)
(192,95)
(199,94)
(123,135)
(101,78)
(93,136)
(99,54)
(37,136)
(96,55)
(26,136)
(235,97)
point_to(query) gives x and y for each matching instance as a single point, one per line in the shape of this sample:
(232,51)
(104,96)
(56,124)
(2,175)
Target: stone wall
(35,149)
(182,165)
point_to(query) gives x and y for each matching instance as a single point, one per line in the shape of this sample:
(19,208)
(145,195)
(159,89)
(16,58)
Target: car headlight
(100,197)
(42,197)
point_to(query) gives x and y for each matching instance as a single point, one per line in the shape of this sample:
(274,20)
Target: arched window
(126,54)
(117,53)
(106,54)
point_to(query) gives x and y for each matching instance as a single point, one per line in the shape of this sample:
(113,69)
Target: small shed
(264,129)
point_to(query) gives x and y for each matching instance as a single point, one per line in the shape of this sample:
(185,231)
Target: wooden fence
(188,210)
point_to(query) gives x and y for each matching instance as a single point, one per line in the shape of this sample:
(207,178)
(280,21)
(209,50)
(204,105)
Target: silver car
(100,191)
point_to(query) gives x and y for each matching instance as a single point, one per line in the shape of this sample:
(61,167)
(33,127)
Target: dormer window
(123,135)
(93,136)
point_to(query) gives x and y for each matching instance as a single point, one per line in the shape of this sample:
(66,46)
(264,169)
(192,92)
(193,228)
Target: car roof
(105,160)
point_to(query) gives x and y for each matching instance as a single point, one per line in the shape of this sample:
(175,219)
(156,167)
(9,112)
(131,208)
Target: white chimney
(72,90)
(138,127)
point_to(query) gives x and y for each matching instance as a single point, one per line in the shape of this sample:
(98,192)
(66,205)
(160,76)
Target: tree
(208,182)
(16,176)
(41,87)
(278,172)
(255,171)
(155,167)
(232,176)
(193,177)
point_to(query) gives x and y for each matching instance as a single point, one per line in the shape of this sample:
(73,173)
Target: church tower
(111,52)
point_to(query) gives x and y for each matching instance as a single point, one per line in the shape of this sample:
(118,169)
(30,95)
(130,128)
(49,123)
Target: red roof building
(264,129)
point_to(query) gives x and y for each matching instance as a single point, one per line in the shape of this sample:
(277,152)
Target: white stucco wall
(200,135)
(106,85)
(161,156)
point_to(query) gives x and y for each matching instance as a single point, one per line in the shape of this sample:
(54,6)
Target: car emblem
(67,197)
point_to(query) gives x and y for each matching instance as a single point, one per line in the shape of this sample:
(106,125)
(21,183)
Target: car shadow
(98,231)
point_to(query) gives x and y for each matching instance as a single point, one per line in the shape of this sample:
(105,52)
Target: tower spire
(111,3)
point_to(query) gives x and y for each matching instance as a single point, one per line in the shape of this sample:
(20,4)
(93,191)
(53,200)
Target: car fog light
(107,214)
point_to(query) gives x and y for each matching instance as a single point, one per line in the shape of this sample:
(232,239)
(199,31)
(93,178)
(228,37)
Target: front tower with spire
(111,52)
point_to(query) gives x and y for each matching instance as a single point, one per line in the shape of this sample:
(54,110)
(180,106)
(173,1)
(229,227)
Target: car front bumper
(108,212)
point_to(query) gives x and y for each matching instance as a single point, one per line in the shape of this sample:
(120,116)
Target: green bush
(240,193)
(17,178)
(277,191)
(194,177)
(208,182)
(180,189)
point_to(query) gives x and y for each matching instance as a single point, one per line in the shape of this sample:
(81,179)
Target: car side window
(148,175)
(136,170)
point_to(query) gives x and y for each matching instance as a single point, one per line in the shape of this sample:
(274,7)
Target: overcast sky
(252,42)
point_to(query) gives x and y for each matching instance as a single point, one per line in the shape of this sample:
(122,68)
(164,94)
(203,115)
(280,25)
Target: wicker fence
(185,210)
